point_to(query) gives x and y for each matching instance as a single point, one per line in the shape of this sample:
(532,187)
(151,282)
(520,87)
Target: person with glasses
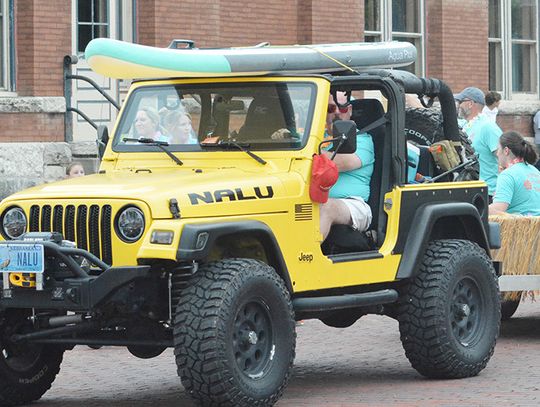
(483,133)
(347,203)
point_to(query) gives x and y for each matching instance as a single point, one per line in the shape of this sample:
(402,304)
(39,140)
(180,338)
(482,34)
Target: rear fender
(440,221)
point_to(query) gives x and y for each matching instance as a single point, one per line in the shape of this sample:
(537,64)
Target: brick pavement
(360,366)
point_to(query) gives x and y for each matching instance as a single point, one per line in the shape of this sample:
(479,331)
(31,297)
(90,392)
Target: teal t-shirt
(484,135)
(356,182)
(519,187)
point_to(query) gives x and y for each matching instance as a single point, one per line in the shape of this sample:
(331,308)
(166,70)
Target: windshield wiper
(160,144)
(233,144)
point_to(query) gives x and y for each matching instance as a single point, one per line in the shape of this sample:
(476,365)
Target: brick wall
(521,123)
(337,22)
(212,23)
(31,127)
(457,46)
(43,37)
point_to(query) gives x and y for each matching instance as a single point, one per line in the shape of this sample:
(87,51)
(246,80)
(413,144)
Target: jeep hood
(209,192)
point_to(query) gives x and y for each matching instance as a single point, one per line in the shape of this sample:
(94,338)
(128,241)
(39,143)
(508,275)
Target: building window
(399,20)
(6,46)
(126,28)
(513,41)
(92,21)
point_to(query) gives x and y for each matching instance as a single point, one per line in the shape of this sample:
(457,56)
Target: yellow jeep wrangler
(211,244)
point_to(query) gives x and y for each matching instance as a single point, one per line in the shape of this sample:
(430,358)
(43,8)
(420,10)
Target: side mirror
(102,139)
(344,137)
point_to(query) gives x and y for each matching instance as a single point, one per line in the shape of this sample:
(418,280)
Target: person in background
(518,185)
(536,128)
(483,133)
(74,170)
(491,109)
(177,123)
(348,197)
(146,124)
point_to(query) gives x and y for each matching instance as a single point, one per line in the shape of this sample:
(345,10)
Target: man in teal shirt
(348,197)
(483,133)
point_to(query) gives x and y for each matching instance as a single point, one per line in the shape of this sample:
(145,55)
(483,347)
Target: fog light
(161,237)
(202,239)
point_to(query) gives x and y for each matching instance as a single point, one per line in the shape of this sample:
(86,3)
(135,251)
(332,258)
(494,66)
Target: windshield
(268,115)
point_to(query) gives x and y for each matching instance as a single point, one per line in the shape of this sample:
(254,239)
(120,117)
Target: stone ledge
(519,107)
(53,104)
(83,148)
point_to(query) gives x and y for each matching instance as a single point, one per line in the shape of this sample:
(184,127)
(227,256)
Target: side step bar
(337,302)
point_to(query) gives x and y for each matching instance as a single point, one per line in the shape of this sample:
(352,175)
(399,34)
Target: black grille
(69,223)
(82,240)
(34,218)
(93,228)
(106,244)
(46,218)
(89,228)
(58,214)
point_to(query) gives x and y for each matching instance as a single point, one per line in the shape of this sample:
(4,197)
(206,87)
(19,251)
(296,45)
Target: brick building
(491,44)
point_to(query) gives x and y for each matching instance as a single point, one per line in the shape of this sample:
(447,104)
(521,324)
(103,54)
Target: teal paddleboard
(123,60)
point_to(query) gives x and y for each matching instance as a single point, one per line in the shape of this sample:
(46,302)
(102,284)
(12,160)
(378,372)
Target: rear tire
(27,371)
(425,127)
(234,334)
(449,314)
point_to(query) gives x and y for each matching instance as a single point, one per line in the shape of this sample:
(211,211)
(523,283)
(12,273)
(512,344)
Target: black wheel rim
(466,311)
(19,357)
(252,339)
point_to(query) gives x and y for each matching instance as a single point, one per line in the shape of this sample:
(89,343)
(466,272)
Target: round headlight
(14,223)
(130,224)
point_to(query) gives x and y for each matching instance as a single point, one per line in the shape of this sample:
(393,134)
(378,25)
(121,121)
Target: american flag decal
(303,212)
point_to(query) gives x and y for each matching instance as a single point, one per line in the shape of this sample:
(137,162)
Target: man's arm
(346,162)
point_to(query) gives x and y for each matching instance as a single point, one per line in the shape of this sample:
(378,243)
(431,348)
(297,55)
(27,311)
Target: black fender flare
(191,247)
(421,231)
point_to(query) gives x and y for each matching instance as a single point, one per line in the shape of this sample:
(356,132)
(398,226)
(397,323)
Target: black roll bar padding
(430,87)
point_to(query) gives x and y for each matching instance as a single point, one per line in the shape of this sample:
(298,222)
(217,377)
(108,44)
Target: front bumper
(76,290)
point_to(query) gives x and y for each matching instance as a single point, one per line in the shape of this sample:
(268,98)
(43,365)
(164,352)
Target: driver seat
(343,238)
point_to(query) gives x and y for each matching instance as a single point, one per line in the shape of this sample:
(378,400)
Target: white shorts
(360,212)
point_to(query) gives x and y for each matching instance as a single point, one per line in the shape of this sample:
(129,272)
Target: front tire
(449,315)
(234,334)
(27,370)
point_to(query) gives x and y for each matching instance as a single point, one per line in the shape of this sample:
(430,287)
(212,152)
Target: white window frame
(506,41)
(385,32)
(127,9)
(6,58)
(91,24)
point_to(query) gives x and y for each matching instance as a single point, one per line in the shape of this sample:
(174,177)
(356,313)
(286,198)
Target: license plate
(21,258)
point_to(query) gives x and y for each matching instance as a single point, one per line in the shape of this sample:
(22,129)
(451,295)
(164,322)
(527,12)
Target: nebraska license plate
(21,258)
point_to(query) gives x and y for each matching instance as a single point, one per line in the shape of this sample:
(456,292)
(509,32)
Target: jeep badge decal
(232,195)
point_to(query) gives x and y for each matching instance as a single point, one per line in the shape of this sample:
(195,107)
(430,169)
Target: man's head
(335,112)
(470,102)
